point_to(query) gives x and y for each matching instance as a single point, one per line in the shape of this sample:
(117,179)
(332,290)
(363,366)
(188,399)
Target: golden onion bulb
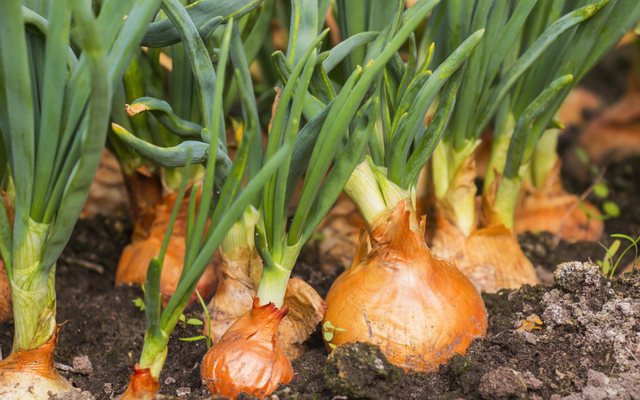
(419,309)
(248,357)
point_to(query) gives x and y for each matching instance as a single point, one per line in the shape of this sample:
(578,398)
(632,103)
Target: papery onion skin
(419,309)
(133,264)
(490,257)
(142,386)
(552,209)
(31,374)
(248,357)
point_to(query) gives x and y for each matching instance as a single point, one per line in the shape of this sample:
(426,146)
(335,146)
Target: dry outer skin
(490,257)
(554,210)
(30,374)
(6,306)
(248,357)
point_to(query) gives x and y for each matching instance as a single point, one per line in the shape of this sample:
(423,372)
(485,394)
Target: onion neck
(241,234)
(544,158)
(374,195)
(33,291)
(454,173)
(275,277)
(154,352)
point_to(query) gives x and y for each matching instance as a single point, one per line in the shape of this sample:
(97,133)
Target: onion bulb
(248,357)
(31,374)
(141,385)
(135,258)
(238,285)
(419,309)
(554,210)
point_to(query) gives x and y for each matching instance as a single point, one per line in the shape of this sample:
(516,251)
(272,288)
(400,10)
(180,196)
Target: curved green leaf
(202,13)
(164,113)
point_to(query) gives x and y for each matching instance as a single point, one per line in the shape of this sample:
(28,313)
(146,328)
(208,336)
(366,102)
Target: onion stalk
(526,66)
(54,110)
(223,198)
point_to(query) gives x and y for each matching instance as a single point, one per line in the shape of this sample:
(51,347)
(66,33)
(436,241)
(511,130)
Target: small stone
(107,388)
(71,394)
(597,379)
(528,337)
(82,365)
(555,397)
(169,381)
(579,277)
(183,391)
(502,384)
(531,381)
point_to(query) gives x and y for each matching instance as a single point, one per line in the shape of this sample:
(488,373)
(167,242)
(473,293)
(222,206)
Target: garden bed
(562,357)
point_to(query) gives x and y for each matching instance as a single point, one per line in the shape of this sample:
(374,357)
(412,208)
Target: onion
(248,357)
(554,210)
(613,135)
(141,385)
(234,298)
(31,374)
(419,309)
(135,258)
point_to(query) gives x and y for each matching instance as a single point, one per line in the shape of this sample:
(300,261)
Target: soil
(567,355)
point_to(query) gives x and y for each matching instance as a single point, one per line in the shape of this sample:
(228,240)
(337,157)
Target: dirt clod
(502,384)
(82,365)
(71,394)
(361,371)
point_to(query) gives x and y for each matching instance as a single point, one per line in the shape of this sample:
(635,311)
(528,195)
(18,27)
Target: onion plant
(223,200)
(241,266)
(54,109)
(528,59)
(164,118)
